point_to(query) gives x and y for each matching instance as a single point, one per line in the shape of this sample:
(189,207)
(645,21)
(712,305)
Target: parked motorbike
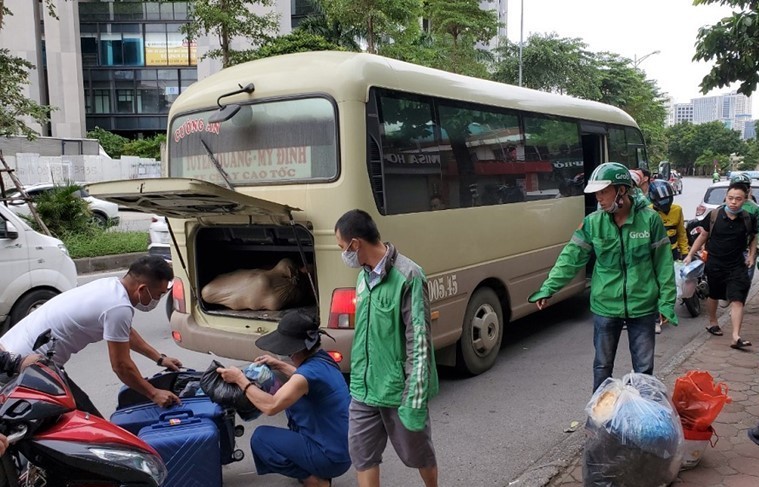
(701,292)
(54,445)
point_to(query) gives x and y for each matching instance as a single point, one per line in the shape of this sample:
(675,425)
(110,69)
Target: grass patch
(105,243)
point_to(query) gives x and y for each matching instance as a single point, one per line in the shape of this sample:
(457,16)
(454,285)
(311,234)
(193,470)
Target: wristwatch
(160,359)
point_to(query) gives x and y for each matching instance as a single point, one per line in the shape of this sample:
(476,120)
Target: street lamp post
(521,39)
(637,60)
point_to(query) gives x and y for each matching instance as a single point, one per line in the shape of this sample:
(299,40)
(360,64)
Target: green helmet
(608,173)
(740,178)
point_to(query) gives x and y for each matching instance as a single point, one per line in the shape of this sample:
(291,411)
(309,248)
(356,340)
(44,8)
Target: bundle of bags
(698,400)
(257,289)
(686,277)
(230,395)
(632,428)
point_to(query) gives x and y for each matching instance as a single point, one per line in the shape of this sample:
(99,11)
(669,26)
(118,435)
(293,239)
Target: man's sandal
(740,344)
(715,330)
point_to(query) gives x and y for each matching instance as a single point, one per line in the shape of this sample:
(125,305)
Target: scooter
(696,288)
(54,445)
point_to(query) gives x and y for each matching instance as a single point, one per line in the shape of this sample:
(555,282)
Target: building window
(111,50)
(102,101)
(133,50)
(124,101)
(149,101)
(89,50)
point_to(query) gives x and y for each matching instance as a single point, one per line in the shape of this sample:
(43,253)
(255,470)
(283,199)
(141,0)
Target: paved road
(487,429)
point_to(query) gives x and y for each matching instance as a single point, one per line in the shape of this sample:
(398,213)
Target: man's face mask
(350,257)
(146,307)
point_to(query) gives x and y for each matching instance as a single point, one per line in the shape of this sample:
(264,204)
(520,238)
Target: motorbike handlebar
(14,437)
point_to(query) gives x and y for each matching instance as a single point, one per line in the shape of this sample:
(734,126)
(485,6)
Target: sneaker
(753,434)
(657,328)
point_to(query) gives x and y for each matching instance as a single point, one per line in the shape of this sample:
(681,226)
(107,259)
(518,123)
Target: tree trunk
(1,13)
(224,39)
(370,35)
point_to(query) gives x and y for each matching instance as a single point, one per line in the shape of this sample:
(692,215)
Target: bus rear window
(288,141)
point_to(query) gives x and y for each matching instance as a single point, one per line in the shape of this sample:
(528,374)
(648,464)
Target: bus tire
(481,334)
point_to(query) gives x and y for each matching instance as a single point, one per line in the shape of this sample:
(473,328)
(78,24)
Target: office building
(119,65)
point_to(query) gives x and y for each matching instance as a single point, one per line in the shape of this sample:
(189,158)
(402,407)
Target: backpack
(713,219)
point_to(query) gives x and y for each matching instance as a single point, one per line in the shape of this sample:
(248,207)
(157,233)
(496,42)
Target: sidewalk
(734,461)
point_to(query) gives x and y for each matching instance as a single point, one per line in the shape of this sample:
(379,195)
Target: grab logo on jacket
(645,234)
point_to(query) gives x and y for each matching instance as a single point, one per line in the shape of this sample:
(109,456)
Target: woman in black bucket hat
(315,398)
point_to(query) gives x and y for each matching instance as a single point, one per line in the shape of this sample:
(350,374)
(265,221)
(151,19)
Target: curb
(106,263)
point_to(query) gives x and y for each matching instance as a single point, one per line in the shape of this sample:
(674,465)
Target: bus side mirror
(224,113)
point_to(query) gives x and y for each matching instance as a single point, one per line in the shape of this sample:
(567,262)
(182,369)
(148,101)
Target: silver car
(715,196)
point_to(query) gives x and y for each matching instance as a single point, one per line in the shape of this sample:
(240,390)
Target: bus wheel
(482,333)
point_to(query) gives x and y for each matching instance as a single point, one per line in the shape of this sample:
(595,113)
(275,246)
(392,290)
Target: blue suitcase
(190,449)
(134,419)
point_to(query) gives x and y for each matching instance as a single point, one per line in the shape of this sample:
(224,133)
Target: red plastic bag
(698,399)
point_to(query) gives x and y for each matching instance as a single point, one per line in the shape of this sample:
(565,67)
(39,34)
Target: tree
(149,147)
(380,21)
(111,143)
(227,19)
(14,106)
(458,26)
(550,63)
(693,146)
(331,30)
(732,45)
(296,41)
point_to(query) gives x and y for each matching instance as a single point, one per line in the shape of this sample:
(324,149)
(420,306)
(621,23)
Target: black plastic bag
(225,394)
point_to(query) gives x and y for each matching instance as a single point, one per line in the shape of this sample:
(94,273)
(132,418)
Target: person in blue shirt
(315,398)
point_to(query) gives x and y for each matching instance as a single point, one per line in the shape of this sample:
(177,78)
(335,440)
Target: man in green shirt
(633,278)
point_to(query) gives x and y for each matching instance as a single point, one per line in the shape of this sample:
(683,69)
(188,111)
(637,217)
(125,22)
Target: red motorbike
(52,444)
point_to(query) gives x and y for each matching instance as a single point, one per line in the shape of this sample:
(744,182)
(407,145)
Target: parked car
(104,213)
(676,180)
(715,196)
(33,269)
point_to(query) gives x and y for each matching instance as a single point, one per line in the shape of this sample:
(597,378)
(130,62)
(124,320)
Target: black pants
(82,400)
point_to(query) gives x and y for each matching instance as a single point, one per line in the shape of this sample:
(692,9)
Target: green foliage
(104,242)
(692,146)
(112,144)
(227,19)
(296,41)
(331,30)
(63,211)
(14,106)
(550,63)
(150,147)
(380,22)
(705,162)
(731,45)
(14,73)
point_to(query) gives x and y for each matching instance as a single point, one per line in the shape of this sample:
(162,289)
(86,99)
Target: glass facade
(135,61)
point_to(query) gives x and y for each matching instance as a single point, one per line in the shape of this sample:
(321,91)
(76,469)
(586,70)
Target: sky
(631,28)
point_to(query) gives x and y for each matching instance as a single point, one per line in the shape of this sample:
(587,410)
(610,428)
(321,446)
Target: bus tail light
(700,210)
(176,336)
(342,310)
(336,356)
(177,295)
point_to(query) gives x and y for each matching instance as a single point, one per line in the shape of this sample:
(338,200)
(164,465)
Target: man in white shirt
(102,310)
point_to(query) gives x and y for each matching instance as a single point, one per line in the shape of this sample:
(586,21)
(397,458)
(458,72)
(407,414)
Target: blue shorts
(282,451)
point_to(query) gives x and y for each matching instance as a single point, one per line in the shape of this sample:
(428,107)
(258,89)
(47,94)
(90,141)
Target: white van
(33,269)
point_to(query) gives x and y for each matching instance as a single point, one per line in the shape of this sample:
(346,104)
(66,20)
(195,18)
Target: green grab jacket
(392,358)
(634,272)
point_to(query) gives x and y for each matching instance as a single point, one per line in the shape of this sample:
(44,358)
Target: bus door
(593,136)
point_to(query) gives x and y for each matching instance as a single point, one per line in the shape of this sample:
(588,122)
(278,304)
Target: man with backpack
(729,233)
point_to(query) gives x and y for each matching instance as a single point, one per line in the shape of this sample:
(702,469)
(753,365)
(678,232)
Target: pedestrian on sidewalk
(729,233)
(633,278)
(393,374)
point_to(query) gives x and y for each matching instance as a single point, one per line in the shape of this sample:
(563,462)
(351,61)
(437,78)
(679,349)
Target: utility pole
(521,39)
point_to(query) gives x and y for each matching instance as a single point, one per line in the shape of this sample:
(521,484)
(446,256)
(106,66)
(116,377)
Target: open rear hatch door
(184,198)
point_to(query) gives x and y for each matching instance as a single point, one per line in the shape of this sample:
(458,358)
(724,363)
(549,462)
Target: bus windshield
(284,141)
